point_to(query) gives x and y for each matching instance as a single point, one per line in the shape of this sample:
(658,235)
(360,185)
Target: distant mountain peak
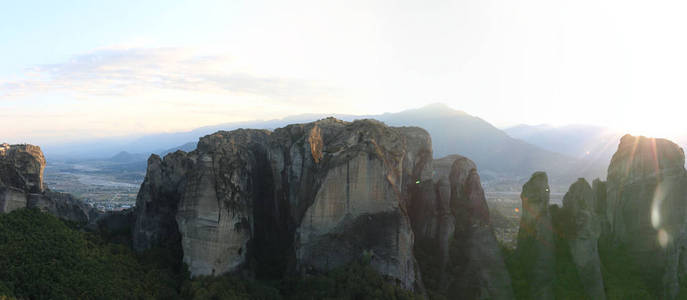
(125,156)
(438,108)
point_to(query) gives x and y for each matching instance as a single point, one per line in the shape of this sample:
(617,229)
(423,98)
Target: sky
(75,70)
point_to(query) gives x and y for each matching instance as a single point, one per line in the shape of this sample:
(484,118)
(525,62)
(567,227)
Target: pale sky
(81,69)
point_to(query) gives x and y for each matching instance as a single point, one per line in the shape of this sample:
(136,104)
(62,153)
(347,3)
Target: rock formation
(451,209)
(308,197)
(316,196)
(21,173)
(599,190)
(646,207)
(536,248)
(21,185)
(582,232)
(156,204)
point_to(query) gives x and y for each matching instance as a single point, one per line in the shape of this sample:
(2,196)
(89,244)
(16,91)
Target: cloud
(131,71)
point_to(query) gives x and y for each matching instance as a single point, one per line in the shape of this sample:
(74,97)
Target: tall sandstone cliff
(316,196)
(646,207)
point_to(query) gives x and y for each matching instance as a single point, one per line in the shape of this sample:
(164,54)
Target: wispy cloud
(122,72)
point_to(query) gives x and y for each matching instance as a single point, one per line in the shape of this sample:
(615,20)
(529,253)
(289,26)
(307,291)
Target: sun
(652,127)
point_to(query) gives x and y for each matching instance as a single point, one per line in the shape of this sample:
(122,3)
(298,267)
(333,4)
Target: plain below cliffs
(316,196)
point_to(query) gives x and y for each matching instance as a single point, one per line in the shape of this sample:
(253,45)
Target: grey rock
(157,202)
(452,209)
(307,197)
(579,205)
(600,203)
(62,205)
(21,167)
(646,207)
(312,197)
(536,248)
(21,185)
(21,173)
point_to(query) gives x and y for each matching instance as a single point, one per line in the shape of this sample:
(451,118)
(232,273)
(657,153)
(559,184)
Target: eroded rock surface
(646,207)
(536,248)
(306,197)
(21,167)
(316,196)
(21,173)
(21,185)
(582,232)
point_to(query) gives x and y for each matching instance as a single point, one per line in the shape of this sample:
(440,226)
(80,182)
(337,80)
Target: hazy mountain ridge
(581,141)
(496,154)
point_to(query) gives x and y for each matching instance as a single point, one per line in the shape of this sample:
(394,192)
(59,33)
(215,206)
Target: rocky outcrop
(21,173)
(536,248)
(308,197)
(646,207)
(599,190)
(21,185)
(316,196)
(456,246)
(157,201)
(21,167)
(582,231)
(62,205)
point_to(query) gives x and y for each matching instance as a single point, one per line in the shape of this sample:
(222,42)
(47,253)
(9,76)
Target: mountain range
(513,153)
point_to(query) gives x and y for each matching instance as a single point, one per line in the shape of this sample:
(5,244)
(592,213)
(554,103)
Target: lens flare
(663,238)
(656,201)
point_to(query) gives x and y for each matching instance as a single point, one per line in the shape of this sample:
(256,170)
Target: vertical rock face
(536,247)
(21,167)
(157,201)
(360,206)
(215,214)
(646,207)
(316,196)
(582,233)
(599,190)
(308,196)
(452,209)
